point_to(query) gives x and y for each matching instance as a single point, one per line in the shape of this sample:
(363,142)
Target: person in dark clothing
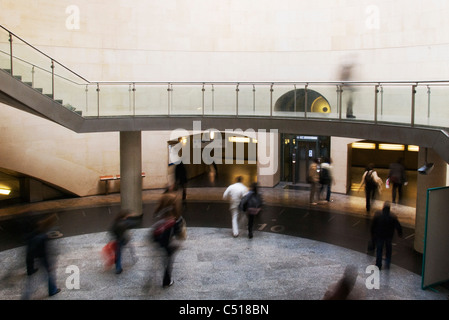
(38,248)
(372,182)
(124,221)
(181,179)
(382,231)
(398,178)
(251,204)
(169,215)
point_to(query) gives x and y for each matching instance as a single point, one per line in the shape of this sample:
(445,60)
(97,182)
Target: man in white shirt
(235,192)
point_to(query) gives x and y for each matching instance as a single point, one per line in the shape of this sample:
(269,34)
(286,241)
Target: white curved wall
(203,40)
(237,40)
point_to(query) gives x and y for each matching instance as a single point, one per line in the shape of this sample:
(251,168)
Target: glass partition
(288,100)
(358,102)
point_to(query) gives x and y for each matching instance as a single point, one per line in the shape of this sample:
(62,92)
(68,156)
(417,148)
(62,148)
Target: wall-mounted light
(363,145)
(391,147)
(413,148)
(5,191)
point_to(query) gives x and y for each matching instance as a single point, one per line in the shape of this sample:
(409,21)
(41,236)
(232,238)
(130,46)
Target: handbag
(108,252)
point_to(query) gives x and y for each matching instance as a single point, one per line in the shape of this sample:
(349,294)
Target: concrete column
(436,178)
(131,171)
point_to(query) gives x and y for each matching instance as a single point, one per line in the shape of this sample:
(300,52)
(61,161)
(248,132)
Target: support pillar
(131,171)
(436,178)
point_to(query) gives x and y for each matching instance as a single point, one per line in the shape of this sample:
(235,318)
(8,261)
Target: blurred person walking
(397,178)
(38,247)
(382,231)
(252,204)
(372,183)
(169,224)
(235,192)
(314,180)
(123,222)
(326,178)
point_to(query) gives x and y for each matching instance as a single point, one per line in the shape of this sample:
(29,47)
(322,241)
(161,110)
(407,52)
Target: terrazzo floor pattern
(210,265)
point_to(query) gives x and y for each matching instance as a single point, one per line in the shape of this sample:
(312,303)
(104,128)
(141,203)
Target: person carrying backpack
(251,203)
(371,181)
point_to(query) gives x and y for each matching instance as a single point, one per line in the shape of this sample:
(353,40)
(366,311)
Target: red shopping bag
(109,253)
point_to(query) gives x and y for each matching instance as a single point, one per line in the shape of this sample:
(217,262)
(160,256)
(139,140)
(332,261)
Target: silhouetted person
(398,178)
(251,203)
(235,192)
(169,215)
(38,247)
(123,222)
(181,178)
(371,182)
(382,231)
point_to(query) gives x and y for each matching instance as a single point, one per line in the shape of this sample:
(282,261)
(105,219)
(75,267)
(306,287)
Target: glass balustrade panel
(394,104)
(70,90)
(220,99)
(322,101)
(116,100)
(254,100)
(358,102)
(186,100)
(32,66)
(151,100)
(92,98)
(287,100)
(5,61)
(432,105)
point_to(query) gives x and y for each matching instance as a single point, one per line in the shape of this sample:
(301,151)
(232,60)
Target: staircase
(41,91)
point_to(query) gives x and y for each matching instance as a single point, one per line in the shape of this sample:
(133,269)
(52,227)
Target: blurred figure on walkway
(169,224)
(314,180)
(326,178)
(252,204)
(181,179)
(346,74)
(38,247)
(382,231)
(397,178)
(235,192)
(342,289)
(372,183)
(123,222)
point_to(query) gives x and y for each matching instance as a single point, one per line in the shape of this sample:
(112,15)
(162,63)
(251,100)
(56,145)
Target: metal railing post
(305,100)
(339,99)
(52,79)
(376,91)
(98,99)
(237,100)
(271,99)
(412,122)
(10,53)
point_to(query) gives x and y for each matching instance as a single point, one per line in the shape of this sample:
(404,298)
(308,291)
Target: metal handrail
(339,85)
